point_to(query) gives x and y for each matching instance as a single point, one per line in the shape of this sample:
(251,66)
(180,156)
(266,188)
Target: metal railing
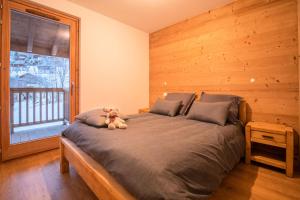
(31,106)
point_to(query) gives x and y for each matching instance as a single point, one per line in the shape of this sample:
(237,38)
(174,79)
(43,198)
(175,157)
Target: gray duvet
(161,157)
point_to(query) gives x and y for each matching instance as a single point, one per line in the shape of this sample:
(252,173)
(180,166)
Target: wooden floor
(37,177)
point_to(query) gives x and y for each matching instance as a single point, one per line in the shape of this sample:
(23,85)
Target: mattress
(161,157)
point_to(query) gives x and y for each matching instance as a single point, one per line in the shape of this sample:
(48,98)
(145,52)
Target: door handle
(267,137)
(72,88)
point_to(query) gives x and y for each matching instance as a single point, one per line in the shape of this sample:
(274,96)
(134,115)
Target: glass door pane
(39,77)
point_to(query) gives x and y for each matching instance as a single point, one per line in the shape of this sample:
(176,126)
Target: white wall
(114,60)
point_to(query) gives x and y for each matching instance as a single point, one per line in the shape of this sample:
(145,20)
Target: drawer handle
(268,137)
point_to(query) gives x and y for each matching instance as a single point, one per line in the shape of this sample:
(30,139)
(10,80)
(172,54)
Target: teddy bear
(113,120)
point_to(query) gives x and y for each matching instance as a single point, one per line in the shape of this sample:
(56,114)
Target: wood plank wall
(1,54)
(248,48)
(298,12)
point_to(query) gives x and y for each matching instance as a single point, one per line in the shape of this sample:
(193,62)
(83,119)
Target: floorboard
(37,177)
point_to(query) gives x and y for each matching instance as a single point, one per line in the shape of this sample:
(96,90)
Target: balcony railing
(31,106)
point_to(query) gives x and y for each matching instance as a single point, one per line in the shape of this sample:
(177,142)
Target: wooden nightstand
(275,135)
(144,110)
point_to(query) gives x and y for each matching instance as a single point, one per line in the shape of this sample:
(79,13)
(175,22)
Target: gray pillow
(85,115)
(210,112)
(186,99)
(233,114)
(165,107)
(96,117)
(96,120)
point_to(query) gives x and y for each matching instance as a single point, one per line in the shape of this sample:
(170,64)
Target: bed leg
(64,163)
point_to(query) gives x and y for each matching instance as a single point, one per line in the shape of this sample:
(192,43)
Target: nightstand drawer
(276,139)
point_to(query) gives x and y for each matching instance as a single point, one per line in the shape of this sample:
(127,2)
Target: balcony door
(39,77)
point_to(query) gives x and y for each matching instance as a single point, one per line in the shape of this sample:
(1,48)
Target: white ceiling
(151,15)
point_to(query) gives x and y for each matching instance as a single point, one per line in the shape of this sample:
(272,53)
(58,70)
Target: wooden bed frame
(96,177)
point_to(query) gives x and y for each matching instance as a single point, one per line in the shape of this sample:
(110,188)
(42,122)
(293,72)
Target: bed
(157,157)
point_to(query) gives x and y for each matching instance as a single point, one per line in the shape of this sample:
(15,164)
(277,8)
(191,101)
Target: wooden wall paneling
(248,48)
(298,12)
(1,11)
